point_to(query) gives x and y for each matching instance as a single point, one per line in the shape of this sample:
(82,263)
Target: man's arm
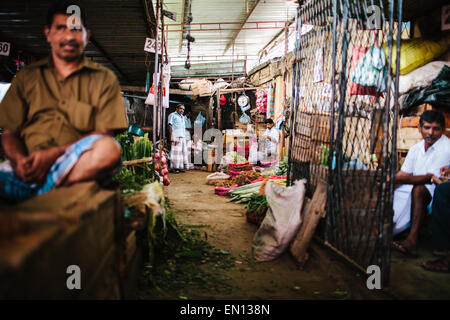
(34,167)
(42,160)
(16,152)
(406,178)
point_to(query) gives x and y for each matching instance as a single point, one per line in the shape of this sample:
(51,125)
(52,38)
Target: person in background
(271,137)
(177,135)
(441,223)
(59,115)
(188,126)
(415,178)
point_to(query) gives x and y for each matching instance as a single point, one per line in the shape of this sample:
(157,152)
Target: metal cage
(343,120)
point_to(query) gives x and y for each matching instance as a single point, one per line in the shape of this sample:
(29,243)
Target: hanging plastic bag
(200,119)
(151,96)
(244,119)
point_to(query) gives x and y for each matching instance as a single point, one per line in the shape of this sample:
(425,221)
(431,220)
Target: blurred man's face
(67,43)
(180,109)
(269,125)
(431,132)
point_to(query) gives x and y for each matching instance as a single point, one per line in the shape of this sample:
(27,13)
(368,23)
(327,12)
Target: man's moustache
(70,43)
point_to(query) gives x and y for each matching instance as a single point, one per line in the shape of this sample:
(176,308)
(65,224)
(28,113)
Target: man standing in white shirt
(177,130)
(271,136)
(416,189)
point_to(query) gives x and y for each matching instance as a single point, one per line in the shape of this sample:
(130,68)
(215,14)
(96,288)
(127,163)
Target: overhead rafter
(149,17)
(107,56)
(276,37)
(236,33)
(183,17)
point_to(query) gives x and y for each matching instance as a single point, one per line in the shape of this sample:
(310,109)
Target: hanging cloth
(271,102)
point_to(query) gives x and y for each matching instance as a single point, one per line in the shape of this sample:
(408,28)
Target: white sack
(422,76)
(282,220)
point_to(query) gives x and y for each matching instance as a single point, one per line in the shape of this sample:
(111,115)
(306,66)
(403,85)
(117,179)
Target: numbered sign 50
(4,48)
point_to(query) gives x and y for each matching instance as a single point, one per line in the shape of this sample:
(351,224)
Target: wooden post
(312,213)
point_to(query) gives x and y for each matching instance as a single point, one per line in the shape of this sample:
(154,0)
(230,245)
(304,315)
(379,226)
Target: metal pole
(294,94)
(329,208)
(155,78)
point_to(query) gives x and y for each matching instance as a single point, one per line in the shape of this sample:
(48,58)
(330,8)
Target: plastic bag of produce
(281,222)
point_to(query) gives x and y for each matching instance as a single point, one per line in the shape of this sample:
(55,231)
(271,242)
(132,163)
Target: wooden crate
(34,261)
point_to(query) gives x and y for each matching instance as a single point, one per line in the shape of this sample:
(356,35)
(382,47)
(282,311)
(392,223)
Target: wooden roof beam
(236,33)
(107,57)
(183,13)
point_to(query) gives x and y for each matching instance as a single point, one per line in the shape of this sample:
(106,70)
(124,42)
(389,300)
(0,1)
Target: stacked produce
(132,177)
(161,167)
(243,178)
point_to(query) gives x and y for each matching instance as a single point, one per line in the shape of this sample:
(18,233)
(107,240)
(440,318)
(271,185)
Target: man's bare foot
(439,265)
(441,253)
(405,248)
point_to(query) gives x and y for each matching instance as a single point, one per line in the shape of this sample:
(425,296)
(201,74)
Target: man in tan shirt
(59,115)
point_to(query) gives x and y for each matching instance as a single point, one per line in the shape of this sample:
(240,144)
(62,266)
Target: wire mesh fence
(344,120)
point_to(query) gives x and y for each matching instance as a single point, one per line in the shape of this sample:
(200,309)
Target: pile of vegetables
(243,194)
(132,178)
(243,178)
(128,182)
(281,167)
(257,204)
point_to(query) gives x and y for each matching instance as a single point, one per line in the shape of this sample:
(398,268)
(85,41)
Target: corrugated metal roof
(118,32)
(232,16)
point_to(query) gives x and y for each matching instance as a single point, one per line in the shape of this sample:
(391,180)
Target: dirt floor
(226,229)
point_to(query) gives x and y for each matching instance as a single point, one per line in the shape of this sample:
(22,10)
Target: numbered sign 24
(4,48)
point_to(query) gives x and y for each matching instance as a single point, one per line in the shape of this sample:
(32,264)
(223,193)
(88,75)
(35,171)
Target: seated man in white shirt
(416,189)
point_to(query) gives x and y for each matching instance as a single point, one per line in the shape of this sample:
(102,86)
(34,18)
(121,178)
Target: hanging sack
(200,119)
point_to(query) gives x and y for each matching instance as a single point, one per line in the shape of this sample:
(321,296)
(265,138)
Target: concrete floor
(409,280)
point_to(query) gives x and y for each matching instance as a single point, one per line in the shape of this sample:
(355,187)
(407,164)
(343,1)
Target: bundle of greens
(128,182)
(257,204)
(281,167)
(126,141)
(243,194)
(142,147)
